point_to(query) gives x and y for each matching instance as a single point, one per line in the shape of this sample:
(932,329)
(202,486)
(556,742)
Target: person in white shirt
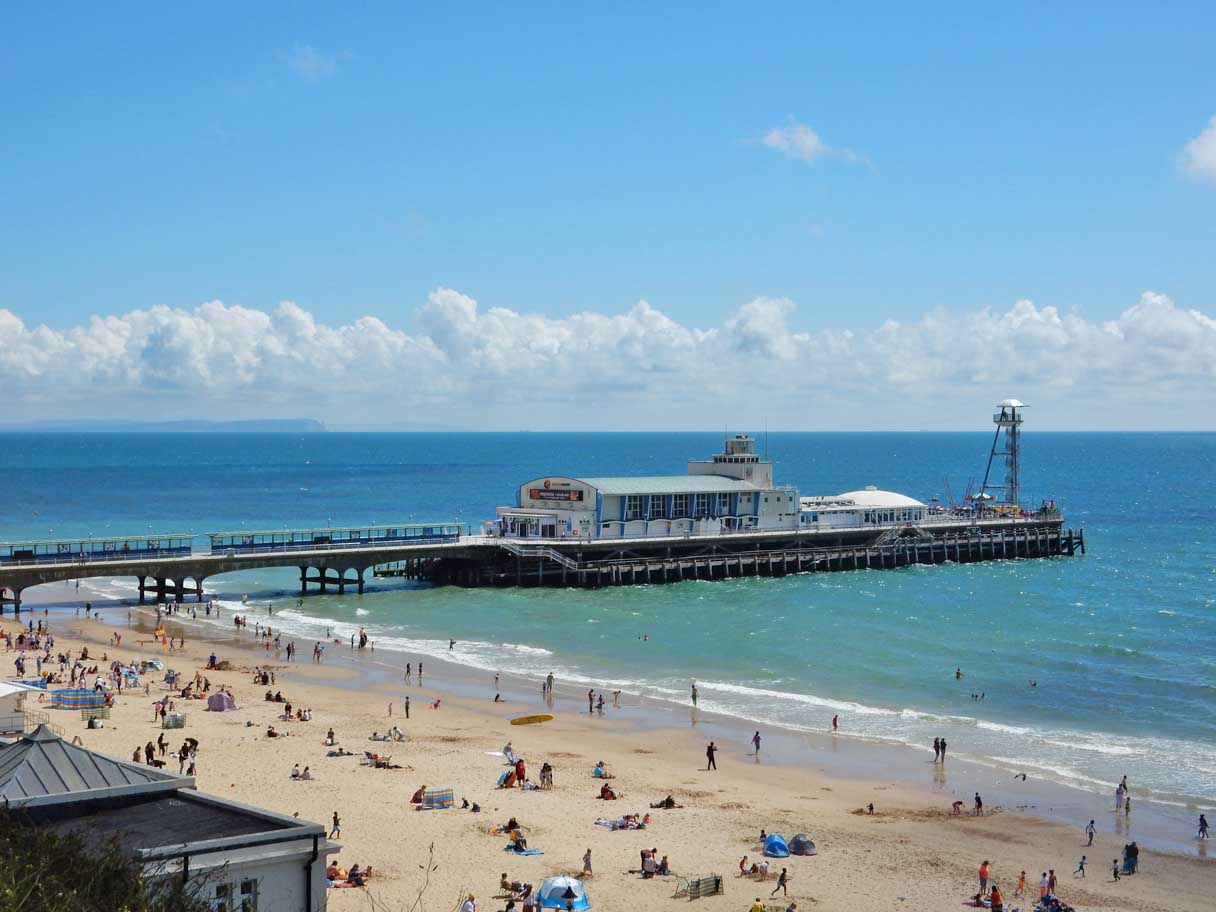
(469,905)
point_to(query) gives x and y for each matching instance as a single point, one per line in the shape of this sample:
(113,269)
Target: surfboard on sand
(531,720)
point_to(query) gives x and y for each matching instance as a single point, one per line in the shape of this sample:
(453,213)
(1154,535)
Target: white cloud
(497,367)
(797,140)
(310,64)
(1199,154)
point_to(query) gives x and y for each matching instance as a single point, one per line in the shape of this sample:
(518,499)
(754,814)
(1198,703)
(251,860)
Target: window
(223,898)
(656,510)
(724,505)
(702,505)
(249,896)
(679,505)
(633,506)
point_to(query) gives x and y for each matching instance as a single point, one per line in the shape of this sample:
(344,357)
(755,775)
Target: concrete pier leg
(143,585)
(361,572)
(303,579)
(160,590)
(179,591)
(198,589)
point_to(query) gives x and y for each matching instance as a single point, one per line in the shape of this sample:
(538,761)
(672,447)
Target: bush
(43,871)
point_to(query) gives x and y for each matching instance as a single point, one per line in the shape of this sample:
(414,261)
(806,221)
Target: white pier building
(732,492)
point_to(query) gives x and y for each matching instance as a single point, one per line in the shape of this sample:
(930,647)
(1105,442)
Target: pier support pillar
(361,572)
(143,586)
(160,589)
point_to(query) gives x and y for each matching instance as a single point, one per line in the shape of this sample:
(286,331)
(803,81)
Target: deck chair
(681,886)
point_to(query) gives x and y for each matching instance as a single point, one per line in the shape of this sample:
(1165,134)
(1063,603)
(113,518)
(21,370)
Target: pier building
(731,492)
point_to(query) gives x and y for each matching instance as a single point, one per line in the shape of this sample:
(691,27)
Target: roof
(1010,403)
(872,497)
(41,766)
(668,484)
(139,823)
(8,688)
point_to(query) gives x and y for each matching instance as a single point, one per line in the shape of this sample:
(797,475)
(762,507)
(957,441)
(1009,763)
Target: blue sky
(554,161)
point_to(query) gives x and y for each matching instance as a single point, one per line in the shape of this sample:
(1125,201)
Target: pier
(172,568)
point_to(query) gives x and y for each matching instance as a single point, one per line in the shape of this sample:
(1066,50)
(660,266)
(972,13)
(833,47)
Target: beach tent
(553,893)
(802,845)
(436,799)
(775,847)
(77,698)
(221,702)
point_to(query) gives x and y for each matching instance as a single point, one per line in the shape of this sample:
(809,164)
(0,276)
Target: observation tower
(1009,420)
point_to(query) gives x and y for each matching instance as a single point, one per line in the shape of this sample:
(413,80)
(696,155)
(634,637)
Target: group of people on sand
(356,877)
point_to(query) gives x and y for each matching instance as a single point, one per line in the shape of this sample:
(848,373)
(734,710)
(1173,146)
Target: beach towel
(437,799)
(508,848)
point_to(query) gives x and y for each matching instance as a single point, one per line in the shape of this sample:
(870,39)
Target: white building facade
(732,492)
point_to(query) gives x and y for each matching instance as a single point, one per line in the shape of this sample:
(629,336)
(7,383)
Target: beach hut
(775,847)
(12,705)
(221,701)
(555,892)
(802,845)
(77,698)
(437,799)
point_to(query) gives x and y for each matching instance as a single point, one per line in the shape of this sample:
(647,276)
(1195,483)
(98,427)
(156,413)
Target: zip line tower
(1009,420)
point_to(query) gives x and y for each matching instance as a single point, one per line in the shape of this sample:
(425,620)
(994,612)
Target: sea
(1120,643)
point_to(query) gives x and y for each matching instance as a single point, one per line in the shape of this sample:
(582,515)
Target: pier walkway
(170,567)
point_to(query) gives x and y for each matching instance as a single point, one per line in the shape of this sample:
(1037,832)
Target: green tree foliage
(41,871)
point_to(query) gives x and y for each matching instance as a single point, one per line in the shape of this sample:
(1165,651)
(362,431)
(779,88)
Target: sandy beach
(912,853)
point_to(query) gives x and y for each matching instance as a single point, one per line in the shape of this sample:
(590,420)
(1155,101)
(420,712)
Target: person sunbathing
(667,803)
(600,773)
(518,843)
(607,793)
(664,868)
(418,795)
(511,825)
(307,774)
(510,887)
(331,873)
(376,736)
(295,771)
(271,733)
(397,734)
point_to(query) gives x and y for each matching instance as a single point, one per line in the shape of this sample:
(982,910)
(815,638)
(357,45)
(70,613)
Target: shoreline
(911,851)
(842,756)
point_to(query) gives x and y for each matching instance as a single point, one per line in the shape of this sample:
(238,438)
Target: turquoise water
(1121,642)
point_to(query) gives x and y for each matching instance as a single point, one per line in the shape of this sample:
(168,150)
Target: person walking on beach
(335,831)
(984,877)
(1114,869)
(409,671)
(709,757)
(587,863)
(1080,867)
(549,683)
(1119,798)
(943,746)
(407,707)
(1090,829)
(782,880)
(694,694)
(937,749)
(979,805)
(756,742)
(1203,827)
(1043,887)
(1127,806)
(1021,890)
(835,724)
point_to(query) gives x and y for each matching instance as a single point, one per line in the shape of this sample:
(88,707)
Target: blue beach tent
(553,893)
(775,847)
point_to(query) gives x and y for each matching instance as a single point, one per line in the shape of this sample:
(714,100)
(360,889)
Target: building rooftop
(668,484)
(41,766)
(870,497)
(140,824)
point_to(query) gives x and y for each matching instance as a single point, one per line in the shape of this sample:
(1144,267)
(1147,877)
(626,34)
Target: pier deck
(478,560)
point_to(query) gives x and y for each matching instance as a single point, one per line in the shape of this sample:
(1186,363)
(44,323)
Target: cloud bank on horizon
(1153,366)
